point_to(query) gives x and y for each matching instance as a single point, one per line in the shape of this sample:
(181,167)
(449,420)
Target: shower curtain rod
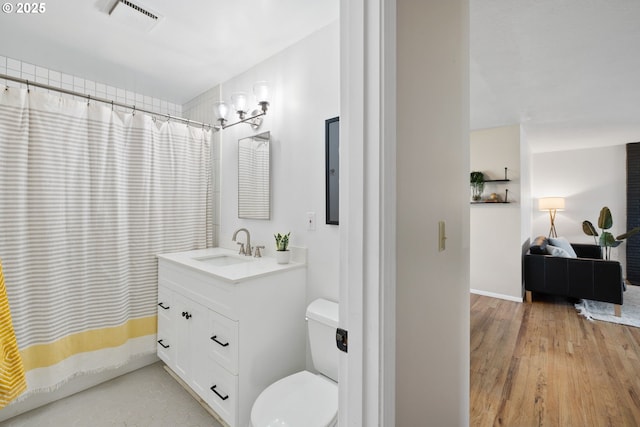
(103,100)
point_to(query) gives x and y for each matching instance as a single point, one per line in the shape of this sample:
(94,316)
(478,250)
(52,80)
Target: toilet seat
(301,399)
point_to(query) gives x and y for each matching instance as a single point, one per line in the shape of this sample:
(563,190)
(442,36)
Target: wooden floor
(541,364)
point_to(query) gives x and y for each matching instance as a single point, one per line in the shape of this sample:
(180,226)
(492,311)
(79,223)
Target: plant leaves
(607,239)
(477,177)
(628,234)
(589,229)
(605,221)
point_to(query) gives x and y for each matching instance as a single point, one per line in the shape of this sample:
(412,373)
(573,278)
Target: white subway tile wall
(24,70)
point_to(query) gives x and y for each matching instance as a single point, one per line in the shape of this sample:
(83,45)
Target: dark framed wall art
(332,169)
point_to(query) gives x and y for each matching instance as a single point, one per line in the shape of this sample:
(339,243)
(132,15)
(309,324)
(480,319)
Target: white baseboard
(495,295)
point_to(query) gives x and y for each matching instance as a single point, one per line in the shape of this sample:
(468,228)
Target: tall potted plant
(282,244)
(477,185)
(606,241)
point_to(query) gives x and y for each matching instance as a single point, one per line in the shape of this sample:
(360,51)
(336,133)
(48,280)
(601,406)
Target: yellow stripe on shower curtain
(43,355)
(12,377)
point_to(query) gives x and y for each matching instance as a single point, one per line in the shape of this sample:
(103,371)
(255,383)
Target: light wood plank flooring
(541,364)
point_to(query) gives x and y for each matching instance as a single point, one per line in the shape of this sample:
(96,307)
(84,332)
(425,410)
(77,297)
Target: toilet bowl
(305,399)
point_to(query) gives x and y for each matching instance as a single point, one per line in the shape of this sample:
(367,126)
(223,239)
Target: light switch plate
(311,221)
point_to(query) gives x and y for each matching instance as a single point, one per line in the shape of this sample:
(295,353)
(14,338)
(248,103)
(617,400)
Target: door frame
(367,270)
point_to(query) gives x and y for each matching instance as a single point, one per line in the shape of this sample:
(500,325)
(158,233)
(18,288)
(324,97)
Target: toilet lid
(302,399)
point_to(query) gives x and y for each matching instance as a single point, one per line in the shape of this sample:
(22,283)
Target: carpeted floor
(595,310)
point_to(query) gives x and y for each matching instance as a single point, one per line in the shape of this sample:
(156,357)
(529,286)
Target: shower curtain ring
(88,100)
(112,105)
(133,113)
(168,118)
(28,89)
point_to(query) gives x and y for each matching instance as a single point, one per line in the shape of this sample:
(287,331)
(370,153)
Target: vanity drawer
(222,393)
(223,341)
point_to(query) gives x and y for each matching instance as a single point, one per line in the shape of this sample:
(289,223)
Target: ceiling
(195,44)
(566,69)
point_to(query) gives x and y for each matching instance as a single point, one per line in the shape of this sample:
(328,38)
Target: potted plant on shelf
(607,241)
(282,244)
(477,185)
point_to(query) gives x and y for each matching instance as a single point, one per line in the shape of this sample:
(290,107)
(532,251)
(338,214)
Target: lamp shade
(261,91)
(220,110)
(239,101)
(551,203)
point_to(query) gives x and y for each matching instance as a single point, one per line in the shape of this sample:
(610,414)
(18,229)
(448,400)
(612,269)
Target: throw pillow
(559,252)
(563,243)
(539,245)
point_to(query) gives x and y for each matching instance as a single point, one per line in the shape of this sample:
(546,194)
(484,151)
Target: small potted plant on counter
(282,244)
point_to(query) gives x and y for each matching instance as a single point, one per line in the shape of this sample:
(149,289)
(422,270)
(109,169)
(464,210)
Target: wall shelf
(489,203)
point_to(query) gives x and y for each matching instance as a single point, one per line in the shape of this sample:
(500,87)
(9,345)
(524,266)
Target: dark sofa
(588,276)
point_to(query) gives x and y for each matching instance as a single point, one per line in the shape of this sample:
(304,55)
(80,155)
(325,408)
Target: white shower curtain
(88,197)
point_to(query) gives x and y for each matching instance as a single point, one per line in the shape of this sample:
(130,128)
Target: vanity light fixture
(239,104)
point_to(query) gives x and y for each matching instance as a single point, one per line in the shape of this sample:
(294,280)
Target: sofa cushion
(563,243)
(558,251)
(539,245)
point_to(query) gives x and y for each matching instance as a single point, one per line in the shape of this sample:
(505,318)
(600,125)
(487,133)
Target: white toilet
(305,399)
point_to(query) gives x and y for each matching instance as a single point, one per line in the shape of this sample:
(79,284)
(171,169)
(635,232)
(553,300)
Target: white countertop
(248,267)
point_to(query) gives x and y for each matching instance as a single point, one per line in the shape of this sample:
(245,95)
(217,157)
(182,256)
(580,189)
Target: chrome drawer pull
(213,389)
(223,345)
(163,346)
(162,306)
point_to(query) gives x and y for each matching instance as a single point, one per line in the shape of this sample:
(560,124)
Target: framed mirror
(254,187)
(332,169)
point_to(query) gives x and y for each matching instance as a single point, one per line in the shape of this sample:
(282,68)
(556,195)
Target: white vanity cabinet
(230,331)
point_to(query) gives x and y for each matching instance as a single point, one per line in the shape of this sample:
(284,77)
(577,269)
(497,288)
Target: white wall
(305,91)
(496,229)
(588,180)
(526,203)
(432,345)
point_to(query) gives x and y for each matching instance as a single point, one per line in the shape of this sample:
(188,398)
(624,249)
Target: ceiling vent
(135,14)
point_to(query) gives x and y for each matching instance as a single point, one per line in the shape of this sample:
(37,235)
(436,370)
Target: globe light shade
(261,91)
(220,110)
(239,101)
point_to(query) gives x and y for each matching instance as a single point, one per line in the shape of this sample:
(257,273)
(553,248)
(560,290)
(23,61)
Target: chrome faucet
(245,249)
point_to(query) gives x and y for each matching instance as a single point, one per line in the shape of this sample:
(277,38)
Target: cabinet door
(198,337)
(182,348)
(165,346)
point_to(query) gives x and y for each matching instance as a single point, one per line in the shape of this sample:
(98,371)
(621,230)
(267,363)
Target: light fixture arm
(239,104)
(245,120)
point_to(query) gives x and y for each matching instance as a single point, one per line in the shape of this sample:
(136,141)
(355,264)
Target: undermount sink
(222,260)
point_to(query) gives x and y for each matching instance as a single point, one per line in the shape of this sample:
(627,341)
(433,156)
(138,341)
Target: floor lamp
(551,204)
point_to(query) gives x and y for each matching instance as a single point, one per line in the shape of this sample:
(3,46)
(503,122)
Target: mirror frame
(332,169)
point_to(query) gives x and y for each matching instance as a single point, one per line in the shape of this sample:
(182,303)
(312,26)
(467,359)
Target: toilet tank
(322,321)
